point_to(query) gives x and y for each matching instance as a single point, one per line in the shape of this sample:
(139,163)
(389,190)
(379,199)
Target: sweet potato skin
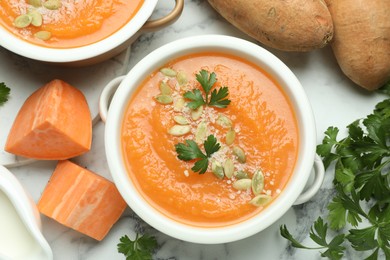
(361,41)
(288,25)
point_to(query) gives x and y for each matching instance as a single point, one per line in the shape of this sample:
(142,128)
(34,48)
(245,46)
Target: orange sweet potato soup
(66,23)
(209,140)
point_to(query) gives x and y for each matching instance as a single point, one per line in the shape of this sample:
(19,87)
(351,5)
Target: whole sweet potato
(289,25)
(361,41)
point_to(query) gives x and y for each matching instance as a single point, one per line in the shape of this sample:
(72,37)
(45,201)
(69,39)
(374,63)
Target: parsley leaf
(363,239)
(4,93)
(207,81)
(211,145)
(196,97)
(325,149)
(190,151)
(295,243)
(218,98)
(141,248)
(201,166)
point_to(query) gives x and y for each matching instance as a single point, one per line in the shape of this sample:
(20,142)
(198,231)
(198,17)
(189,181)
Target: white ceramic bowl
(292,193)
(98,51)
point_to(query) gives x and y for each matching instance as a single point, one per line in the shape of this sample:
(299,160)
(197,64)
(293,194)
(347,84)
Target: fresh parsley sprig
(4,93)
(190,151)
(318,233)
(218,98)
(141,248)
(362,182)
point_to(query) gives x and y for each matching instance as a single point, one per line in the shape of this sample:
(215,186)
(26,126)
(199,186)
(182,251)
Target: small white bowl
(294,193)
(25,229)
(96,52)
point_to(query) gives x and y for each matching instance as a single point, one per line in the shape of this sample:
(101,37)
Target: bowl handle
(106,95)
(166,20)
(314,186)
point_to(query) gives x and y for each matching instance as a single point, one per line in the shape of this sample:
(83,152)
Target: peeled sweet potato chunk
(54,123)
(81,200)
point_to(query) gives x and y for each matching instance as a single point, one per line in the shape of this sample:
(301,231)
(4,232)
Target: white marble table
(335,101)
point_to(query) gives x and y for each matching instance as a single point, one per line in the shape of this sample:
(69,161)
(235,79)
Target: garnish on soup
(190,151)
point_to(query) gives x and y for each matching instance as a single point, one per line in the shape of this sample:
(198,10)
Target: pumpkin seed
(22,21)
(242,184)
(241,175)
(181,120)
(164,99)
(181,78)
(228,168)
(178,130)
(197,113)
(230,136)
(52,4)
(36,18)
(257,182)
(178,104)
(224,121)
(217,169)
(260,200)
(201,132)
(35,3)
(239,152)
(43,35)
(165,89)
(168,72)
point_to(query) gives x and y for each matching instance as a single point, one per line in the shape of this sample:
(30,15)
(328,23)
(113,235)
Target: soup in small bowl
(68,31)
(211,139)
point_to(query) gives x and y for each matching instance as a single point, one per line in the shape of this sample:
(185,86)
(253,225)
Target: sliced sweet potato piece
(81,200)
(54,123)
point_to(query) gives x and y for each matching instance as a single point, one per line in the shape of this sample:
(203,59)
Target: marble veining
(335,101)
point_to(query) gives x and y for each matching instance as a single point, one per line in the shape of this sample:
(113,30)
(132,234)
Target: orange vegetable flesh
(54,123)
(74,24)
(81,200)
(268,134)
